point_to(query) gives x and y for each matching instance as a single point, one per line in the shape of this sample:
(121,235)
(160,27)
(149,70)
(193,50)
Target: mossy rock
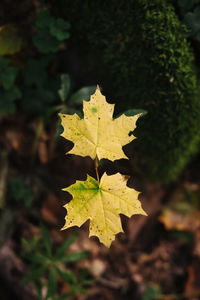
(145,61)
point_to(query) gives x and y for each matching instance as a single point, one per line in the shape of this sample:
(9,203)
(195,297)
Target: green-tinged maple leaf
(98,134)
(102,203)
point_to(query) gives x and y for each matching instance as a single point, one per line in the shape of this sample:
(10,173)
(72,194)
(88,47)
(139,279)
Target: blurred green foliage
(50,32)
(72,101)
(186,5)
(192,19)
(190,12)
(39,88)
(185,236)
(19,193)
(152,292)
(8,74)
(37,81)
(141,52)
(48,265)
(34,82)
(10,41)
(8,89)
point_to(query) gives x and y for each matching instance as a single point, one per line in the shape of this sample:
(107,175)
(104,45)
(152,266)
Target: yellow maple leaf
(102,202)
(98,134)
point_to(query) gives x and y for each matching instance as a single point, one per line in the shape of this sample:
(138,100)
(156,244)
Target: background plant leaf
(65,87)
(10,40)
(59,29)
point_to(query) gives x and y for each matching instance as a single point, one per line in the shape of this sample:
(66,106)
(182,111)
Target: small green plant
(38,85)
(48,265)
(72,101)
(50,32)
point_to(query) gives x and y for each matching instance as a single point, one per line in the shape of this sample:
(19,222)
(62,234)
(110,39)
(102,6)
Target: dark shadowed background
(145,55)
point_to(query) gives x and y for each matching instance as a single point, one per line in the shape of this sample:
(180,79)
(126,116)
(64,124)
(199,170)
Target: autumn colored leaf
(98,134)
(102,202)
(10,41)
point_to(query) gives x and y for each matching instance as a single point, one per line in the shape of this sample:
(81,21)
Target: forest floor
(157,257)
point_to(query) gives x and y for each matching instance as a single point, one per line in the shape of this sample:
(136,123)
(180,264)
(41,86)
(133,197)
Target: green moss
(145,61)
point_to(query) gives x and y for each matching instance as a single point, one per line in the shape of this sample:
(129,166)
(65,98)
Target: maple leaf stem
(96,163)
